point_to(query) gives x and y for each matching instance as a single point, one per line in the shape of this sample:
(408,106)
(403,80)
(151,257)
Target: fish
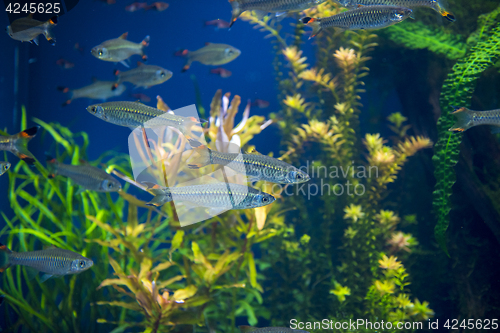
(134,114)
(144,75)
(120,49)
(249,329)
(87,176)
(52,261)
(65,64)
(17,144)
(260,103)
(433,4)
(158,6)
(466,119)
(222,72)
(211,54)
(136,6)
(262,7)
(216,195)
(365,17)
(255,166)
(27,29)
(4,167)
(141,97)
(100,90)
(219,24)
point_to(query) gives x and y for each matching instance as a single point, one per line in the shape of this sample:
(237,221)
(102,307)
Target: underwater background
(418,244)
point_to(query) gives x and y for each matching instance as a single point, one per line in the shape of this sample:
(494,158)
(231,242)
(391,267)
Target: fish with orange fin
(466,119)
(27,29)
(158,6)
(17,144)
(120,49)
(222,72)
(219,24)
(98,90)
(211,54)
(144,75)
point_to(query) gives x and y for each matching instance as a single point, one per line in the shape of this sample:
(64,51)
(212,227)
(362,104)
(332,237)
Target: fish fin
(150,185)
(94,79)
(124,36)
(412,16)
(114,86)
(186,66)
(159,200)
(161,105)
(313,23)
(200,157)
(63,89)
(21,142)
(124,63)
(280,14)
(463,119)
(449,16)
(181,53)
(144,57)
(236,12)
(246,328)
(4,257)
(145,41)
(35,40)
(53,20)
(68,102)
(45,277)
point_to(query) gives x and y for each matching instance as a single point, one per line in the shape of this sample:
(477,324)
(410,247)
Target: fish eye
(99,52)
(162,74)
(298,176)
(265,199)
(82,263)
(110,185)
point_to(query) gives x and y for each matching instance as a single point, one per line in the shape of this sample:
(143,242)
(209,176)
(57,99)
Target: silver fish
(218,195)
(120,49)
(17,144)
(4,167)
(211,54)
(433,4)
(255,166)
(87,176)
(249,329)
(52,261)
(99,90)
(144,75)
(365,17)
(279,7)
(469,118)
(27,29)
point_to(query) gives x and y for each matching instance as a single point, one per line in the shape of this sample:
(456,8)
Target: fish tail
(4,258)
(186,66)
(48,30)
(313,23)
(181,53)
(21,143)
(236,11)
(200,158)
(68,102)
(463,119)
(114,86)
(438,6)
(63,89)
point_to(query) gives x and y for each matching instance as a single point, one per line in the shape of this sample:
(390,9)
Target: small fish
(260,103)
(27,29)
(120,49)
(217,195)
(219,24)
(365,17)
(433,4)
(87,176)
(144,75)
(136,6)
(249,329)
(141,97)
(222,72)
(158,6)
(466,119)
(17,144)
(99,90)
(211,54)
(255,166)
(52,261)
(262,7)
(79,48)
(4,167)
(134,114)
(65,64)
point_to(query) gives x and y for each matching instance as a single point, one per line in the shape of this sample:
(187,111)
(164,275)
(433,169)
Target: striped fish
(134,114)
(433,4)
(365,17)
(17,144)
(4,167)
(466,119)
(52,261)
(255,166)
(218,195)
(87,176)
(120,49)
(270,6)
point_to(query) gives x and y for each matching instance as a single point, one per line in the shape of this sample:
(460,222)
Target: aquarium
(250,166)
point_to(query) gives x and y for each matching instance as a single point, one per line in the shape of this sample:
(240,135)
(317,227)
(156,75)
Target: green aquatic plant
(457,91)
(417,35)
